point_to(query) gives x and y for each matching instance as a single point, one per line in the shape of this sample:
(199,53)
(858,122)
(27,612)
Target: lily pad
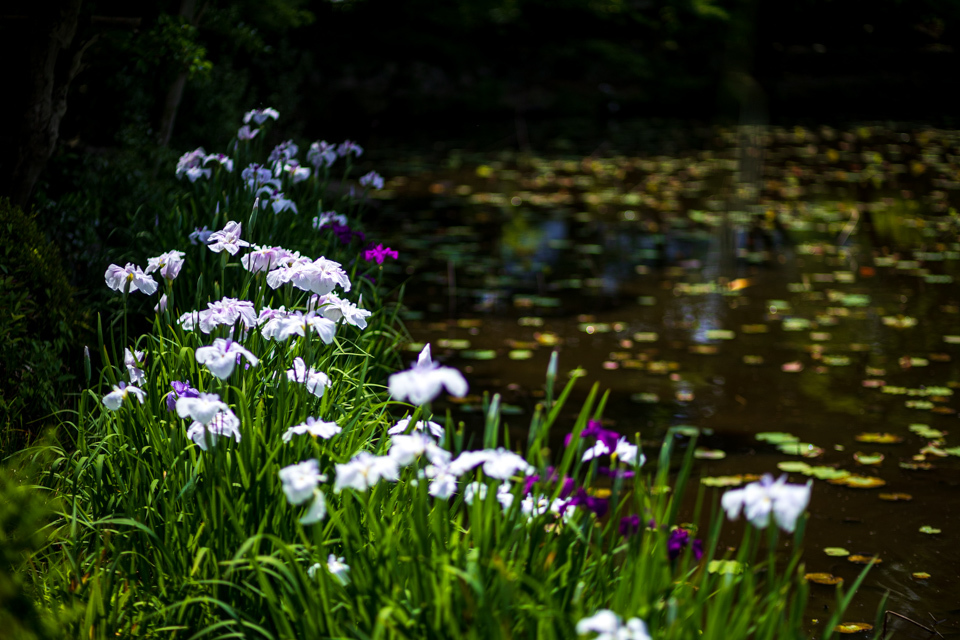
(776,437)
(929,530)
(853,627)
(828,473)
(868,458)
(855,481)
(920,575)
(794,466)
(837,552)
(805,449)
(520,354)
(823,578)
(724,566)
(896,497)
(709,454)
(879,438)
(720,334)
(859,559)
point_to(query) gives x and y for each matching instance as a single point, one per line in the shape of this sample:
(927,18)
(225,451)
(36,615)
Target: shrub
(36,326)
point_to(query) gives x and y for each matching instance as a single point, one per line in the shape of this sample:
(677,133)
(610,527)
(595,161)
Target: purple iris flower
(615,473)
(180,390)
(345,234)
(582,498)
(595,430)
(679,539)
(568,483)
(629,525)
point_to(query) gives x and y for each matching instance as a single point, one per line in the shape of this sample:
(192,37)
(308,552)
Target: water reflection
(782,315)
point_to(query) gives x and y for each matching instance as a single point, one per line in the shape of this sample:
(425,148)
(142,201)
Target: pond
(790,293)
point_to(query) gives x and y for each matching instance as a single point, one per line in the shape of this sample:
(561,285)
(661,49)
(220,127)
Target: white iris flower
(364,471)
(299,480)
(316,428)
(761,499)
(129,278)
(314,380)
(222,356)
(115,398)
(425,380)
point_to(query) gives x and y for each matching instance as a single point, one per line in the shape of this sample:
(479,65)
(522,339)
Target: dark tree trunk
(50,59)
(175,93)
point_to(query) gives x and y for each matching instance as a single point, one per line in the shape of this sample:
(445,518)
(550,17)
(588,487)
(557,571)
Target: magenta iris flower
(379,253)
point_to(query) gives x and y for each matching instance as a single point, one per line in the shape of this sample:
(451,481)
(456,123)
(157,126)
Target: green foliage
(25,517)
(36,326)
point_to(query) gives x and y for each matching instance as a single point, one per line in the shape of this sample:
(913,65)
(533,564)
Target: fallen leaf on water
(823,578)
(852,627)
(858,559)
(930,530)
(920,575)
(837,552)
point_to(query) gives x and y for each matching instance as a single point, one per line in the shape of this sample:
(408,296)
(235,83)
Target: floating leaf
(852,627)
(878,438)
(547,339)
(916,466)
(794,466)
(896,497)
(579,372)
(930,530)
(920,575)
(479,354)
(720,334)
(646,336)
(804,449)
(792,367)
(823,578)
(858,559)
(753,360)
(709,454)
(645,398)
(837,552)
(776,437)
(924,431)
(828,473)
(685,430)
(868,458)
(453,344)
(855,481)
(728,481)
(520,354)
(724,566)
(759,328)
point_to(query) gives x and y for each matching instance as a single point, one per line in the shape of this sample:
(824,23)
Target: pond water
(795,282)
